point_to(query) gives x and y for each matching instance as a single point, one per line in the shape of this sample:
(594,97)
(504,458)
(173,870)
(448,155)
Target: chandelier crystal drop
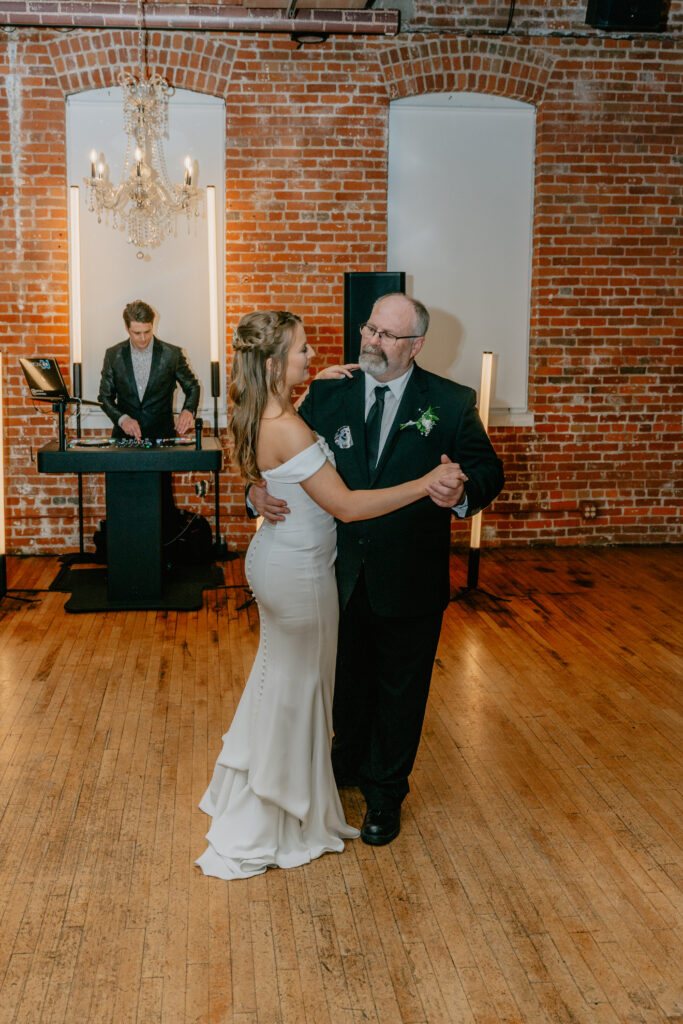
(145,202)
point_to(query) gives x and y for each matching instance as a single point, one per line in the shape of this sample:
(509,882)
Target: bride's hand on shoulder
(446,483)
(336,372)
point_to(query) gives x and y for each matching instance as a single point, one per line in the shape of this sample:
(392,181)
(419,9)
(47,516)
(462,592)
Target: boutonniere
(343,438)
(424,422)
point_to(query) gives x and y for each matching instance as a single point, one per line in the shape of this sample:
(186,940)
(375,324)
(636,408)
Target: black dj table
(135,576)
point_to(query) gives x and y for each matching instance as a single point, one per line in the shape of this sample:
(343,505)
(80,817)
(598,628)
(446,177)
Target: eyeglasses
(369,330)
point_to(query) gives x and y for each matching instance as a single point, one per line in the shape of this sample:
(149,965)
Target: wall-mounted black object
(627,15)
(361,291)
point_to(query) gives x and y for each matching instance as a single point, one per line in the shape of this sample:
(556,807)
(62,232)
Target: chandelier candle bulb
(213,270)
(138,162)
(188,171)
(93,162)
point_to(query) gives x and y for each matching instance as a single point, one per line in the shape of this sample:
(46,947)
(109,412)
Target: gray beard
(374,363)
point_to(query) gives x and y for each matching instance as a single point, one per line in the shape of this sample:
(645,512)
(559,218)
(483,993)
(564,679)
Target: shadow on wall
(443,343)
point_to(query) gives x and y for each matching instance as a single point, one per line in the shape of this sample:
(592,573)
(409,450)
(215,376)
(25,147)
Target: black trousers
(384,668)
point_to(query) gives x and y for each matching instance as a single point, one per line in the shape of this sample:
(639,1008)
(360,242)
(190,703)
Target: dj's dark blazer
(405,554)
(119,393)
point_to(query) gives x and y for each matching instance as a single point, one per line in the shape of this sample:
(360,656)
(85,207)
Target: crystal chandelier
(145,202)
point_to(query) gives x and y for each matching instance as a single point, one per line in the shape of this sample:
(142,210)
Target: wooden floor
(536,878)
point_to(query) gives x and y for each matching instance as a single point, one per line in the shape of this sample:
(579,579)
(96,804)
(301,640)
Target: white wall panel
(460,205)
(172,278)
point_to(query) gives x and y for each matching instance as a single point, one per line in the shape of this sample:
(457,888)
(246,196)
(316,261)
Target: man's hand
(272,509)
(131,427)
(449,492)
(336,372)
(184,422)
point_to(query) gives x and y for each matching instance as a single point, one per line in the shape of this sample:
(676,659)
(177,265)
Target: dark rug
(183,589)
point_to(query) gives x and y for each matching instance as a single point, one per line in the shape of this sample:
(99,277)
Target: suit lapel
(353,412)
(154,367)
(129,375)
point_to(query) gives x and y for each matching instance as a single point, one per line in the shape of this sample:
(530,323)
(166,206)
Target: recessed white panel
(174,277)
(460,205)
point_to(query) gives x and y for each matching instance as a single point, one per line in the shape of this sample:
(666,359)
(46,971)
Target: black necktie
(373,426)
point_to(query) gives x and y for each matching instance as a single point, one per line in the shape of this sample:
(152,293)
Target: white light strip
(2,469)
(75,273)
(484,405)
(213,270)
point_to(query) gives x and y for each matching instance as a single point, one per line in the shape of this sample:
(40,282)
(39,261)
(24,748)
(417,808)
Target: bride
(272,797)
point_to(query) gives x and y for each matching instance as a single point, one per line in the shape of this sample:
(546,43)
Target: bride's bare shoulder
(281,438)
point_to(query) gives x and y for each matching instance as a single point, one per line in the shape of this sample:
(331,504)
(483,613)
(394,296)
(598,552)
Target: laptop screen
(44,379)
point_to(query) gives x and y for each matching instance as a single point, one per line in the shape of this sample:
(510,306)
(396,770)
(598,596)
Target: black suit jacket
(405,554)
(119,392)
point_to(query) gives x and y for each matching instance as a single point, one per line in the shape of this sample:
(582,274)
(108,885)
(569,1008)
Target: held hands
(272,509)
(184,422)
(446,484)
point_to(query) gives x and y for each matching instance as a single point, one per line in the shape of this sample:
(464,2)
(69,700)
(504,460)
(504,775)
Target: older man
(389,422)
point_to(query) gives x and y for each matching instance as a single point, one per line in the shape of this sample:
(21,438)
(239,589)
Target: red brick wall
(306,145)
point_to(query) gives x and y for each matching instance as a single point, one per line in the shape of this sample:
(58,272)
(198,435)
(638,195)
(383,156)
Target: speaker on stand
(627,15)
(361,291)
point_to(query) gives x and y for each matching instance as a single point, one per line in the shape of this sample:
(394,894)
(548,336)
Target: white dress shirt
(142,367)
(392,400)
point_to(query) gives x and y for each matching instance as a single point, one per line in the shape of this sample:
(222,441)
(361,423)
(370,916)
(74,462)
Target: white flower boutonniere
(424,422)
(343,438)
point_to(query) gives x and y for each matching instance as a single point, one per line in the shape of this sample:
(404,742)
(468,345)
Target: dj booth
(136,575)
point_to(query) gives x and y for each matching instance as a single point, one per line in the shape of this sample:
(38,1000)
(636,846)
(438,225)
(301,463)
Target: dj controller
(144,443)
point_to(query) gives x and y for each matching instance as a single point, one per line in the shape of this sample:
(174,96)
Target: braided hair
(258,337)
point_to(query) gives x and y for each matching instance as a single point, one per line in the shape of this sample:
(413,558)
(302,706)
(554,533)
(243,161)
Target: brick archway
(437,64)
(96,60)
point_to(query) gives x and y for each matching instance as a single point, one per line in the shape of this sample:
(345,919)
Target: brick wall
(306,154)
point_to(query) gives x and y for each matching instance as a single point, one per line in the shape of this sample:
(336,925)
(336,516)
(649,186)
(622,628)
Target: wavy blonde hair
(258,337)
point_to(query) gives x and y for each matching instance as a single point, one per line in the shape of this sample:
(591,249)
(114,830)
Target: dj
(139,379)
(137,388)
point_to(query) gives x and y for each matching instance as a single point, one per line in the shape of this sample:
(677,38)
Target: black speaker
(627,15)
(361,291)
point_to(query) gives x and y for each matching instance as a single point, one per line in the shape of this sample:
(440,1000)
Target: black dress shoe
(380,827)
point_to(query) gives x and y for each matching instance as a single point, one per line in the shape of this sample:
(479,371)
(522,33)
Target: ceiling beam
(68,14)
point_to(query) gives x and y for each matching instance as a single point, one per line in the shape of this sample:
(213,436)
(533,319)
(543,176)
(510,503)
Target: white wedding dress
(272,797)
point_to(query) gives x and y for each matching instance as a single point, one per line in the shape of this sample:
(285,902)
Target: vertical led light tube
(75,274)
(75,327)
(484,404)
(3,566)
(220,549)
(213,270)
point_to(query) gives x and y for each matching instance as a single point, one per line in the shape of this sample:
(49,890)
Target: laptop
(46,383)
(45,380)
